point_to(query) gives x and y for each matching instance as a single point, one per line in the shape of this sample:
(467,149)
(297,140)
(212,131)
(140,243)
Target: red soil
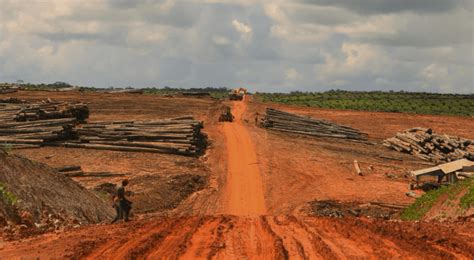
(258,181)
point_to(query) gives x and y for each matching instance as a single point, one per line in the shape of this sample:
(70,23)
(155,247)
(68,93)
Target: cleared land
(245,164)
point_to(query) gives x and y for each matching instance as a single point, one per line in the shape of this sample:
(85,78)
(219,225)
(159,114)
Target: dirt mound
(158,193)
(38,198)
(331,208)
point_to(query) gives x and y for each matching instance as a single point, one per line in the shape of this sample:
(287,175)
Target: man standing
(121,204)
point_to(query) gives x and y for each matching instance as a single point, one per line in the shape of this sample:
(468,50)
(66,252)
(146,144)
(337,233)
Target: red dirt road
(265,237)
(244,190)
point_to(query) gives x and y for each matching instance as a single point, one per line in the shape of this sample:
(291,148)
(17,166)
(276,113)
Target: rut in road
(264,237)
(244,187)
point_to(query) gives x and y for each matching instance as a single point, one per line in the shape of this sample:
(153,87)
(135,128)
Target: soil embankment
(41,199)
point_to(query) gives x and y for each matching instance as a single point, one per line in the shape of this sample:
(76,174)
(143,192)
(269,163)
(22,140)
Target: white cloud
(292,74)
(274,45)
(221,40)
(241,27)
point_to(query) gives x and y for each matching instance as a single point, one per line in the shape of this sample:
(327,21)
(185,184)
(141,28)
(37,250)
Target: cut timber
(426,145)
(20,141)
(291,123)
(24,146)
(357,168)
(158,145)
(68,168)
(123,148)
(101,174)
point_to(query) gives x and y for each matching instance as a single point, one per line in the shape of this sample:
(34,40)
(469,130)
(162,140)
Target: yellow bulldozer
(237,93)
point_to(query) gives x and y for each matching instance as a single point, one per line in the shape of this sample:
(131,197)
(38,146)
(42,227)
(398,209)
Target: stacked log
(423,143)
(8,90)
(32,134)
(287,122)
(174,136)
(53,110)
(8,111)
(12,100)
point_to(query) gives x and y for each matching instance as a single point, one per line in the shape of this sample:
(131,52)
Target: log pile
(423,143)
(8,111)
(32,134)
(287,122)
(53,110)
(8,90)
(173,136)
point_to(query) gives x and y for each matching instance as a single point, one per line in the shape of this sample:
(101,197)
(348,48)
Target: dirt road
(236,237)
(244,188)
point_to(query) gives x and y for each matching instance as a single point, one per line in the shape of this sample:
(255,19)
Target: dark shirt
(121,193)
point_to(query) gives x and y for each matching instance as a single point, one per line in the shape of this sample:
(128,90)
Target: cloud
(292,74)
(242,28)
(390,6)
(265,45)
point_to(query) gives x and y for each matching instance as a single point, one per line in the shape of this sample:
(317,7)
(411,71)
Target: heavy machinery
(226,115)
(237,94)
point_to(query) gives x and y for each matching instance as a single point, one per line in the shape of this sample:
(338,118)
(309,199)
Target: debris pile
(338,209)
(287,122)
(423,143)
(174,136)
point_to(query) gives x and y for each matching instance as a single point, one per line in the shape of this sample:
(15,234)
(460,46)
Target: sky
(272,46)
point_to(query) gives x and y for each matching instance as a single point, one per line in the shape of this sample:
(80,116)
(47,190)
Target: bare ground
(244,163)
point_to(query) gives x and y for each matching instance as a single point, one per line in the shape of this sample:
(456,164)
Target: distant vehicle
(237,94)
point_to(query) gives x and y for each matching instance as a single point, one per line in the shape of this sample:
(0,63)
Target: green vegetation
(467,201)
(407,102)
(423,204)
(8,197)
(218,93)
(7,148)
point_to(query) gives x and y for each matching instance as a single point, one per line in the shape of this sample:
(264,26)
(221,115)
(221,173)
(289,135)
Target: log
(78,173)
(29,130)
(68,168)
(20,141)
(357,168)
(124,148)
(172,146)
(101,174)
(24,146)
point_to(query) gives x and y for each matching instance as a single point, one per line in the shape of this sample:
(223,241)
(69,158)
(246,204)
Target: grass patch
(423,204)
(8,197)
(467,201)
(7,148)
